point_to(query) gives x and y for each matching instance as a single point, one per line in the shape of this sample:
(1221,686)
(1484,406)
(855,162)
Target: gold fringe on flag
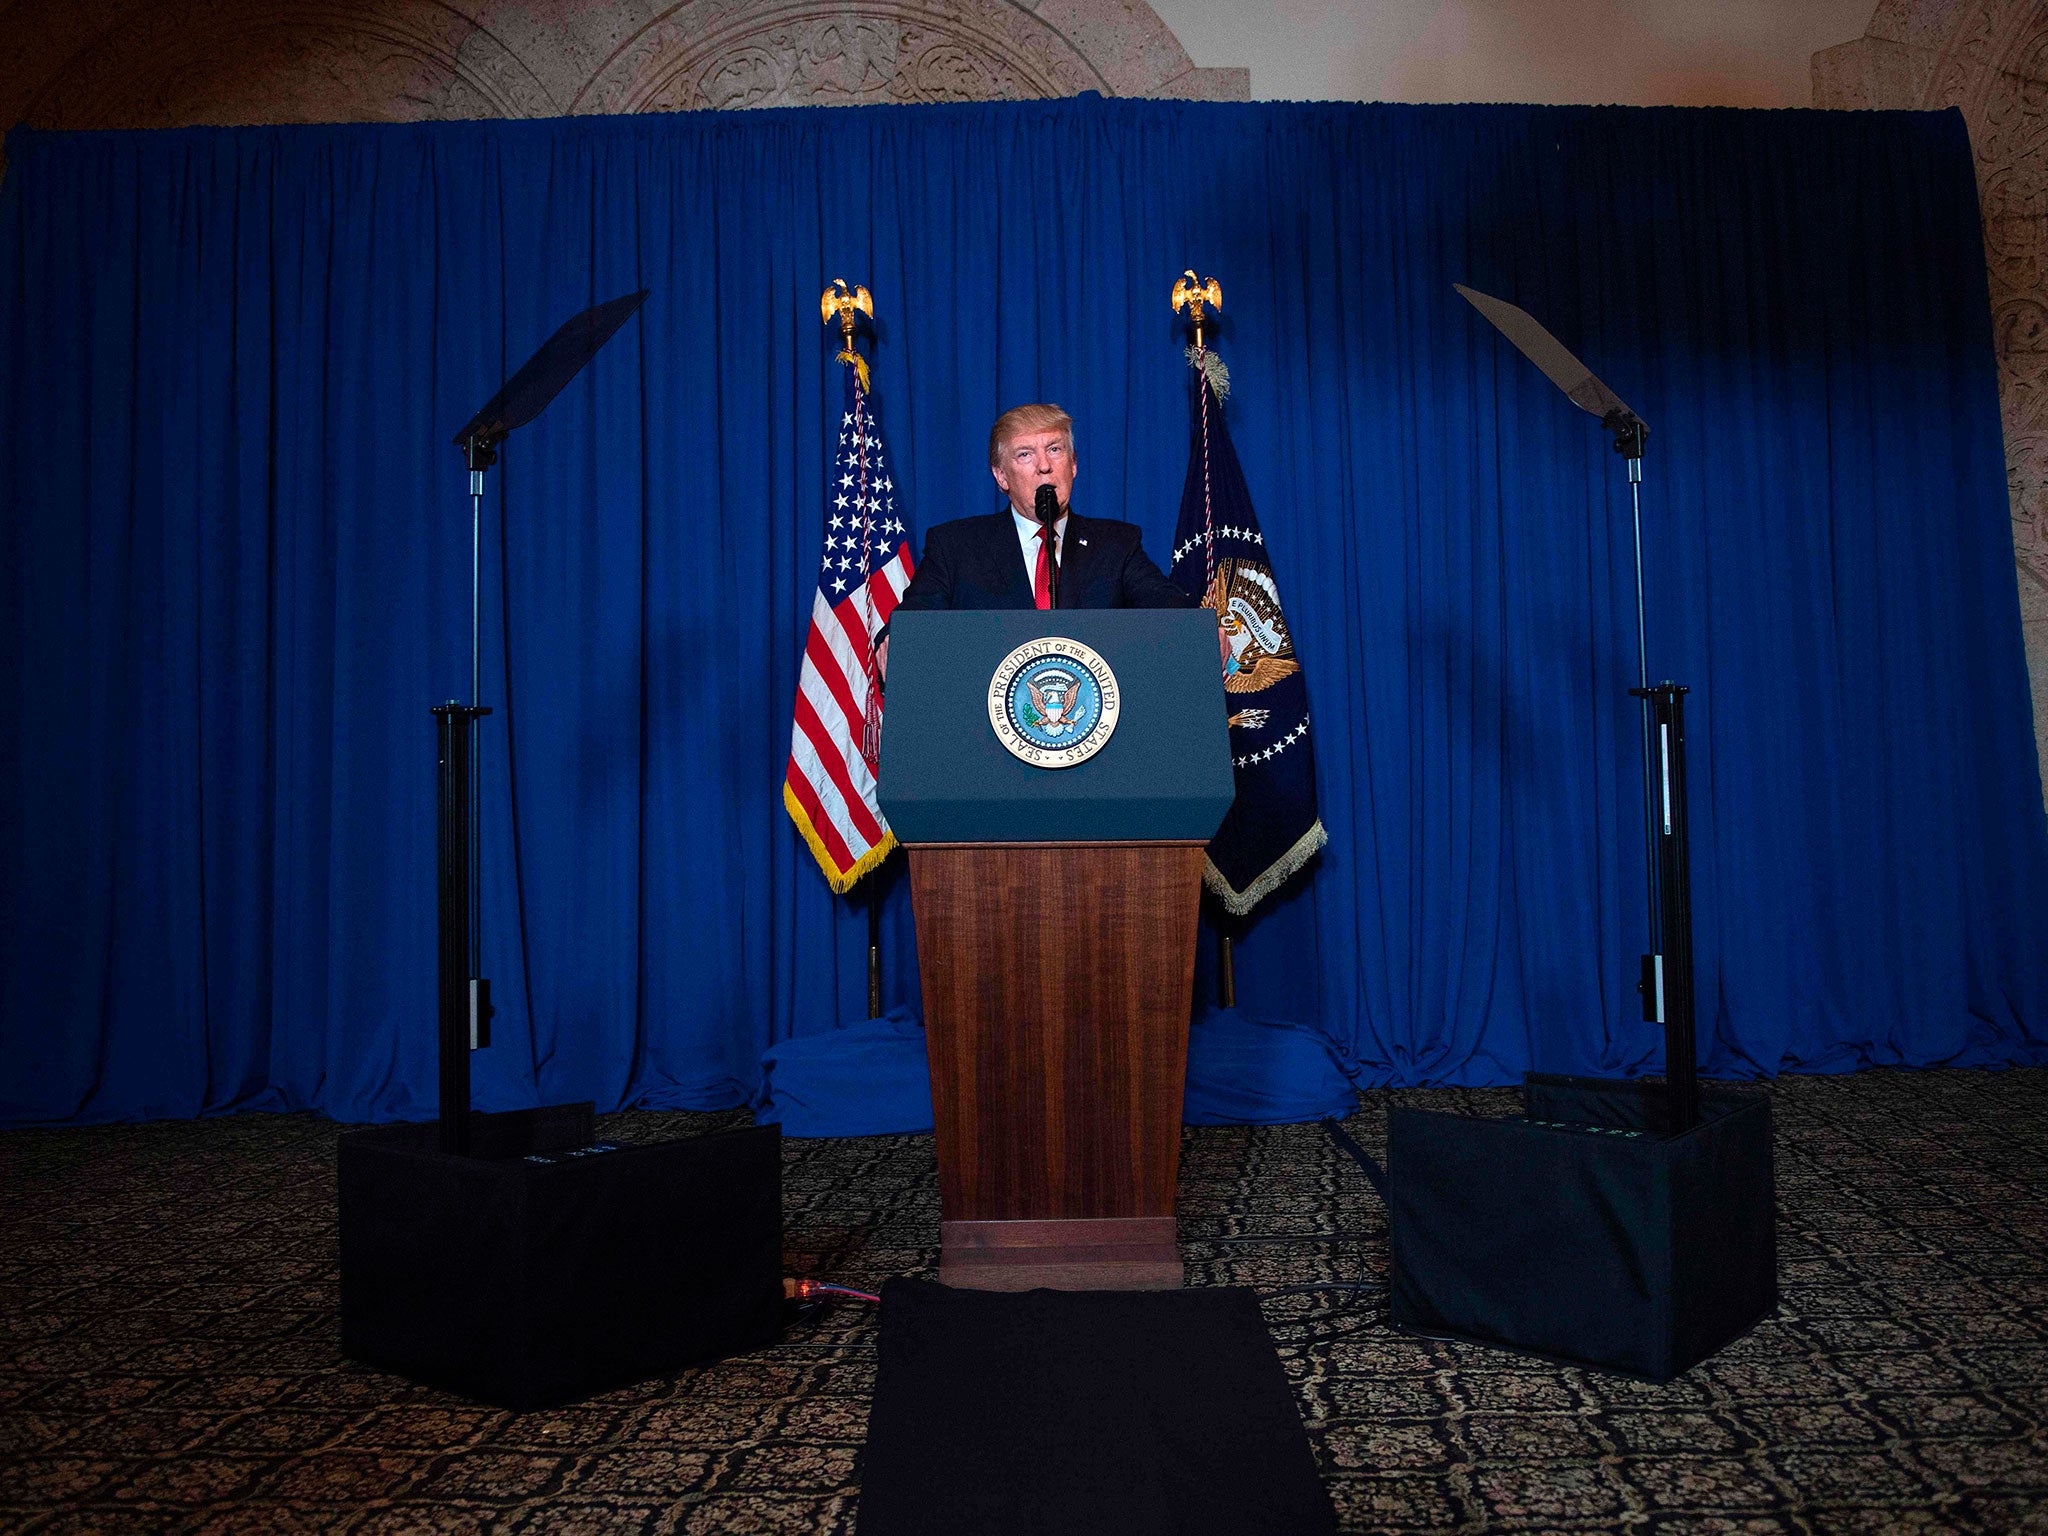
(841,882)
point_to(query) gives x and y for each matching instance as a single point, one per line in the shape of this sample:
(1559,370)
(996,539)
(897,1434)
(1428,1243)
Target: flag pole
(1226,970)
(1191,293)
(874,945)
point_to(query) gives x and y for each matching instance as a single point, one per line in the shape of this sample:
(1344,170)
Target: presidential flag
(1219,559)
(835,742)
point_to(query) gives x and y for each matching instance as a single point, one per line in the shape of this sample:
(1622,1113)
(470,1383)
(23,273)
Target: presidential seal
(1053,702)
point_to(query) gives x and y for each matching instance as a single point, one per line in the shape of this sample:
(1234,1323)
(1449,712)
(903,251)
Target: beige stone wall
(1990,58)
(149,64)
(1648,53)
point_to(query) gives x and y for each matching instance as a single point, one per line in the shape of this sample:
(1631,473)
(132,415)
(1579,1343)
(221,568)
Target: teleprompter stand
(512,1257)
(465,994)
(1666,982)
(1627,1225)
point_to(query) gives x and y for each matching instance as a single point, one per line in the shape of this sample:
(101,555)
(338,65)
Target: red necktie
(1041,578)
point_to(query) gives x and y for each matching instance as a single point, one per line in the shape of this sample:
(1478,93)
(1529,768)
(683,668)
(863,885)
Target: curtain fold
(236,564)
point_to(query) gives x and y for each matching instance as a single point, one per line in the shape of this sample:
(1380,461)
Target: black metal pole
(476,675)
(455,743)
(1630,435)
(478,455)
(1226,971)
(1672,976)
(874,944)
(1630,444)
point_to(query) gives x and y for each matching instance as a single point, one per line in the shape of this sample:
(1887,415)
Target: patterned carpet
(168,1362)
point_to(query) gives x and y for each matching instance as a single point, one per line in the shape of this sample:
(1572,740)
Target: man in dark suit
(1002,560)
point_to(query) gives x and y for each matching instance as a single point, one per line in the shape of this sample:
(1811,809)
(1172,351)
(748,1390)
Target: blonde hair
(1020,419)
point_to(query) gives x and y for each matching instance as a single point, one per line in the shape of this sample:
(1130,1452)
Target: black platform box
(1584,1231)
(523,1277)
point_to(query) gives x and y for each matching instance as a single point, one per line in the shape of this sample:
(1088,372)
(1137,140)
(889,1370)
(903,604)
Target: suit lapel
(1082,546)
(1006,573)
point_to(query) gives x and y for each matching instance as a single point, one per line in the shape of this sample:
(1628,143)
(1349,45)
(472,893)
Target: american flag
(835,742)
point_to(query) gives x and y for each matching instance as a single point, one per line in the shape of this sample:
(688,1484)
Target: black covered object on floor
(1586,1230)
(1136,1412)
(537,1270)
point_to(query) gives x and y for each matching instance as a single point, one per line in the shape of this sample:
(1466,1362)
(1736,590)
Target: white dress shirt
(1027,540)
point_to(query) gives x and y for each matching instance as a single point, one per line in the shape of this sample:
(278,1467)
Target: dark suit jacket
(975,562)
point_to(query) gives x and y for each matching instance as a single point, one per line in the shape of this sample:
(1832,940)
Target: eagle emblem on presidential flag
(1247,605)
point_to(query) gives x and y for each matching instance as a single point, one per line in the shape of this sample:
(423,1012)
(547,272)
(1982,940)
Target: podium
(1055,884)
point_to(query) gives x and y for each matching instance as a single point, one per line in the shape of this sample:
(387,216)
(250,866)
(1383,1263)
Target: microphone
(1046,508)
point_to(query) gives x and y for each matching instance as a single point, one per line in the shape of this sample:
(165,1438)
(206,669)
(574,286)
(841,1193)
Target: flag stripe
(836,744)
(848,636)
(820,662)
(888,583)
(831,796)
(821,824)
(852,807)
(820,722)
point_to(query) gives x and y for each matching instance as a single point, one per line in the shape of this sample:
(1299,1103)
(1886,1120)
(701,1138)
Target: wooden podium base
(1108,1253)
(1057,983)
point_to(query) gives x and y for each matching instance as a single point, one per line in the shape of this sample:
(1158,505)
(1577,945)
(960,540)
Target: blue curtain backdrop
(236,555)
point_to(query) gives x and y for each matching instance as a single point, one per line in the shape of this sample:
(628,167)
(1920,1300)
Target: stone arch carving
(218,62)
(144,64)
(704,53)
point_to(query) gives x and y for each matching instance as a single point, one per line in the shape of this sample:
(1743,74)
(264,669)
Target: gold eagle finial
(1191,293)
(841,302)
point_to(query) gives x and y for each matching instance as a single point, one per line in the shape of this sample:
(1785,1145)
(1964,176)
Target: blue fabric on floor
(871,1078)
(864,1079)
(1247,1071)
